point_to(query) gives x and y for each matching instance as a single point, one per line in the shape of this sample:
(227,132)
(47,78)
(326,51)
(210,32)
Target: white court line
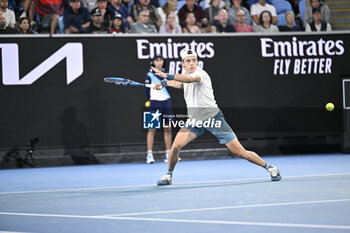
(270,224)
(229,207)
(13,232)
(154,185)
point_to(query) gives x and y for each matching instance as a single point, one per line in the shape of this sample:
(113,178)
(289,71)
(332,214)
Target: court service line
(153,185)
(229,207)
(269,224)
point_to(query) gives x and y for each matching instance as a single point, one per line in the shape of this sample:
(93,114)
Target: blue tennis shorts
(225,134)
(164,107)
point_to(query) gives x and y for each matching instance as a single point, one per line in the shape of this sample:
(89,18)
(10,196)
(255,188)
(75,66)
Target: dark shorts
(224,133)
(164,107)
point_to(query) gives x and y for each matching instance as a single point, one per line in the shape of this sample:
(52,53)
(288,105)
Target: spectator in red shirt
(49,11)
(240,25)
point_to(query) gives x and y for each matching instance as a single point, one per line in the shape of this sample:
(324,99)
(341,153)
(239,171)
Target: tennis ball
(330,107)
(147,103)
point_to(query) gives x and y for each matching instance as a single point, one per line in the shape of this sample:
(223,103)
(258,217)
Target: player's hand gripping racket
(125,82)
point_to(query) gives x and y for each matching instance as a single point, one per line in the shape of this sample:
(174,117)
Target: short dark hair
(320,1)
(314,10)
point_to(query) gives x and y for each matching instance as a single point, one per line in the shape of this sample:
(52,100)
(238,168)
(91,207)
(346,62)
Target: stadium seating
(162,2)
(302,8)
(202,4)
(180,4)
(282,6)
(281,19)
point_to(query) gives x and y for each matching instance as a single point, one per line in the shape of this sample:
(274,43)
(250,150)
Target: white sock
(149,152)
(167,153)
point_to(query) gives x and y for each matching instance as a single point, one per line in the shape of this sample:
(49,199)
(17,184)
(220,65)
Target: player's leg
(150,141)
(167,116)
(226,136)
(167,142)
(235,147)
(183,137)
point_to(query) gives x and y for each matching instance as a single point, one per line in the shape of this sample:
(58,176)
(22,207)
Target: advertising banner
(53,89)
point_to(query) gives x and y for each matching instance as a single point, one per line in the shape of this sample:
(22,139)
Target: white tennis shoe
(274,173)
(149,159)
(165,180)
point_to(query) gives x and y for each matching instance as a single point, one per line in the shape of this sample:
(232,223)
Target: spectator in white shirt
(257,8)
(7,13)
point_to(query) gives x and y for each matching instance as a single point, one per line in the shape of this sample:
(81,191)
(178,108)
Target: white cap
(188,53)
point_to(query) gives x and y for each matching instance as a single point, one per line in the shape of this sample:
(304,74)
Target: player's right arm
(175,84)
(185,78)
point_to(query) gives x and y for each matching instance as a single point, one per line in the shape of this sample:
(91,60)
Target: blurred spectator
(49,12)
(317,23)
(154,17)
(257,8)
(208,29)
(142,25)
(295,6)
(24,26)
(118,9)
(76,18)
(6,29)
(207,3)
(107,13)
(152,2)
(325,12)
(167,8)
(8,14)
(118,25)
(198,12)
(223,25)
(211,13)
(290,25)
(170,26)
(236,5)
(243,4)
(28,10)
(97,26)
(190,24)
(126,3)
(265,23)
(89,4)
(241,25)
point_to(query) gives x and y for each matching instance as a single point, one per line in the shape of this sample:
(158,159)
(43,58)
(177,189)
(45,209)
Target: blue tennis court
(222,195)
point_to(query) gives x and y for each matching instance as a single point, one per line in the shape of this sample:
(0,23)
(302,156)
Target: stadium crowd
(161,16)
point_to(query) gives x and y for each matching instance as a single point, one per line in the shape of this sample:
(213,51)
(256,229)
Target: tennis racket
(126,82)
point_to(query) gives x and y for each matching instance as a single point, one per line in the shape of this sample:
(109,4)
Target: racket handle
(150,85)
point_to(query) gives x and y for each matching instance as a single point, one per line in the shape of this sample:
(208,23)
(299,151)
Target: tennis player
(201,106)
(160,100)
